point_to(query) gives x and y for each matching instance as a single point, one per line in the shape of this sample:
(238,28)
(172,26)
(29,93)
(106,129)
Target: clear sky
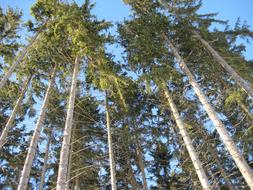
(116,11)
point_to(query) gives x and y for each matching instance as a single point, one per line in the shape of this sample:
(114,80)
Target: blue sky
(116,11)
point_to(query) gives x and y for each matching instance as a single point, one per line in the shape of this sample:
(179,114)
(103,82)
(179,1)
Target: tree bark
(70,157)
(44,169)
(63,165)
(246,110)
(109,136)
(77,184)
(238,79)
(193,155)
(141,164)
(12,117)
(214,154)
(230,145)
(36,135)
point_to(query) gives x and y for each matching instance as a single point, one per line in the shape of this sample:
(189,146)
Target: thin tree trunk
(133,182)
(230,145)
(214,154)
(77,184)
(246,110)
(109,136)
(131,175)
(239,80)
(193,155)
(222,171)
(63,165)
(13,114)
(141,164)
(18,61)
(44,169)
(36,135)
(70,157)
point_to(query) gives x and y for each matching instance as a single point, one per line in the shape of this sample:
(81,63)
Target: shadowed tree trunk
(13,114)
(36,135)
(188,143)
(229,143)
(64,156)
(111,155)
(141,163)
(246,110)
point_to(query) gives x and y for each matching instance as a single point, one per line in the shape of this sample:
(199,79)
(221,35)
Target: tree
(36,134)
(62,173)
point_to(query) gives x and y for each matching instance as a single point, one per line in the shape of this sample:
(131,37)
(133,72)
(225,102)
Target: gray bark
(12,117)
(63,165)
(36,135)
(188,143)
(111,155)
(238,79)
(229,143)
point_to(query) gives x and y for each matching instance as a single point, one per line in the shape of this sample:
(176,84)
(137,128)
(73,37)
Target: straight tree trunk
(63,165)
(18,61)
(230,145)
(239,80)
(77,184)
(188,143)
(70,157)
(214,154)
(12,117)
(109,136)
(141,164)
(131,175)
(36,135)
(44,169)
(246,110)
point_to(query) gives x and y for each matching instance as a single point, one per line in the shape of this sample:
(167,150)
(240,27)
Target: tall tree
(63,165)
(197,164)
(13,113)
(110,144)
(230,145)
(36,135)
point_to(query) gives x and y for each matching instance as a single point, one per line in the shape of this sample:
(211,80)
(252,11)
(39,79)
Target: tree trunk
(18,61)
(44,169)
(245,109)
(63,165)
(36,135)
(141,164)
(13,114)
(193,155)
(212,150)
(70,157)
(77,184)
(230,145)
(239,80)
(111,156)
